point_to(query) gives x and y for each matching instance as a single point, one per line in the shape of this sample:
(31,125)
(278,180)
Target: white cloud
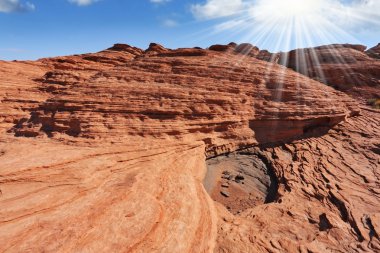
(365,11)
(342,11)
(83,2)
(15,6)
(218,8)
(169,23)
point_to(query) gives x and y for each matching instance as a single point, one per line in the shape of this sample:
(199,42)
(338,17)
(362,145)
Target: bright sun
(283,10)
(288,24)
(295,8)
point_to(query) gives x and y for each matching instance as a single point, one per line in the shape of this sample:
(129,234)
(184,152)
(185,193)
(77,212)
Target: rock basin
(240,180)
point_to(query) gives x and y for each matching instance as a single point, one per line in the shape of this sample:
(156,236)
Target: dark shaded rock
(225,194)
(220,48)
(324,223)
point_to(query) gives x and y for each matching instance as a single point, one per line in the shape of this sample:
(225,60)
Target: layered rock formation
(348,68)
(335,182)
(107,152)
(190,94)
(374,52)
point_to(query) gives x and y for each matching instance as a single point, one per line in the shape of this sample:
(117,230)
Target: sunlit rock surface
(374,52)
(106,152)
(346,67)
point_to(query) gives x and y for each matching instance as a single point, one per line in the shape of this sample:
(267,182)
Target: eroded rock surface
(240,180)
(346,67)
(107,152)
(222,99)
(374,52)
(328,196)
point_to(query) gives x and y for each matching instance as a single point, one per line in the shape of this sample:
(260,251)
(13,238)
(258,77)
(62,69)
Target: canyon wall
(107,152)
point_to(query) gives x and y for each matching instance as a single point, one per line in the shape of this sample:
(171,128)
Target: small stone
(225,185)
(226,172)
(239,177)
(227,177)
(225,194)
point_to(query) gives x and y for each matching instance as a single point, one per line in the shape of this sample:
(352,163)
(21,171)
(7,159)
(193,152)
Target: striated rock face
(116,149)
(327,199)
(348,68)
(187,94)
(374,52)
(20,92)
(345,67)
(247,50)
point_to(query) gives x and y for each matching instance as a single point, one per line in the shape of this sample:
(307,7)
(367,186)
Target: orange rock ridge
(107,152)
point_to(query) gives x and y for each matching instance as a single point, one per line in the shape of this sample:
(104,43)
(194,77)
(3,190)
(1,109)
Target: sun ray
(283,25)
(262,21)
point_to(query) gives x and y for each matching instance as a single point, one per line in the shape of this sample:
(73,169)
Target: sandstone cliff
(348,68)
(107,152)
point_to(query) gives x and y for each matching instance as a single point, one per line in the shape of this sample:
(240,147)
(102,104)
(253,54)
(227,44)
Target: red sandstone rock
(374,52)
(155,49)
(346,67)
(242,107)
(117,144)
(223,48)
(328,196)
(247,49)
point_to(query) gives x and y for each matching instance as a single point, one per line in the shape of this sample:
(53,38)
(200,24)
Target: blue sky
(39,28)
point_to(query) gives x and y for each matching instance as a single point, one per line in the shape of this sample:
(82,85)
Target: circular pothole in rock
(239,181)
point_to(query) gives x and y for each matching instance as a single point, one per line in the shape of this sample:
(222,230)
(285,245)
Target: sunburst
(287,24)
(282,25)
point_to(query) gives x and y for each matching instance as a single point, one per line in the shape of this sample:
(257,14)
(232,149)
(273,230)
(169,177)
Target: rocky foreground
(226,149)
